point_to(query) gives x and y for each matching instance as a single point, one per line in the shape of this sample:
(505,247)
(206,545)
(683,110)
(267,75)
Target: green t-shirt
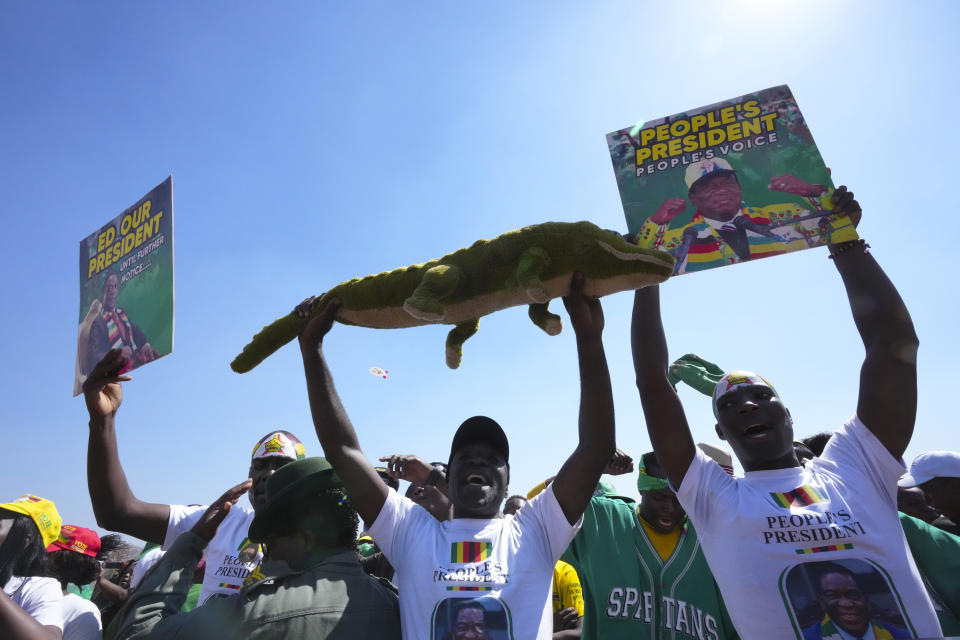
(937,554)
(629,593)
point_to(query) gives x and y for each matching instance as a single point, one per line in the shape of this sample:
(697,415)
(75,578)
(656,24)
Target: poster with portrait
(126,285)
(837,599)
(482,618)
(727,183)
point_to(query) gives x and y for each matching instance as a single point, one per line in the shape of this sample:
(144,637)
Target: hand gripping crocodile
(529,266)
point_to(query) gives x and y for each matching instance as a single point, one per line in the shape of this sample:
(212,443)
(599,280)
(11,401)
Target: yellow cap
(43,513)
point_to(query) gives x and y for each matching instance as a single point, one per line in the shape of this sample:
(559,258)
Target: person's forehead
(715,177)
(665,493)
(741,389)
(837,578)
(719,176)
(270,461)
(940,483)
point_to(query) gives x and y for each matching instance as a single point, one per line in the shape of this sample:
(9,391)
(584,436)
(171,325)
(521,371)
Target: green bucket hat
(289,484)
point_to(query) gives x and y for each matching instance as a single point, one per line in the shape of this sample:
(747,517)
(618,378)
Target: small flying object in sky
(377,371)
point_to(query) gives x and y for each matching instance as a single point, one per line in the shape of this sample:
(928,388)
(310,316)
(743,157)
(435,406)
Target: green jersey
(629,593)
(937,556)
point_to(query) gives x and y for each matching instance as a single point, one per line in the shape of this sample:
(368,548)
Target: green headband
(647,482)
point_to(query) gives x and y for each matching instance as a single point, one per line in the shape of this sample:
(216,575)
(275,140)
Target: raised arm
(888,377)
(336,434)
(114,505)
(578,476)
(662,410)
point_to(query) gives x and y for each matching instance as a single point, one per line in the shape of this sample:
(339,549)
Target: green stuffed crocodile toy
(529,266)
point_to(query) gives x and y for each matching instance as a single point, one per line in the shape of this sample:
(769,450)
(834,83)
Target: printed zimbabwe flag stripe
(799,497)
(704,246)
(832,547)
(469,588)
(224,585)
(470,551)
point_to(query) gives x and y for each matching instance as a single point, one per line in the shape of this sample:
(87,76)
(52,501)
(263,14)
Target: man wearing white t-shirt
(230,556)
(501,566)
(770,536)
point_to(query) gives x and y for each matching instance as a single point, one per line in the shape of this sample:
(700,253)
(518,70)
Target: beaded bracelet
(836,250)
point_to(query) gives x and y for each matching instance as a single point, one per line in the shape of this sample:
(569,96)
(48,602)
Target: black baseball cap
(484,430)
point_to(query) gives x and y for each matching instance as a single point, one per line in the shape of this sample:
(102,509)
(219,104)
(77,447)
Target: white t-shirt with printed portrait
(770,537)
(42,598)
(230,555)
(495,574)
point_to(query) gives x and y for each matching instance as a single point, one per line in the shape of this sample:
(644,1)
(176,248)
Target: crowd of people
(826,537)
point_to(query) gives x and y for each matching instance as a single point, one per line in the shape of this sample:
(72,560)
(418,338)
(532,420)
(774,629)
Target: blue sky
(313,142)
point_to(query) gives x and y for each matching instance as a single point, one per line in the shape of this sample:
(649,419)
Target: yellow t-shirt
(566,588)
(664,543)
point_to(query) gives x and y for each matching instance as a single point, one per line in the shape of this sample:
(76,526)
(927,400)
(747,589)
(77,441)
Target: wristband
(837,249)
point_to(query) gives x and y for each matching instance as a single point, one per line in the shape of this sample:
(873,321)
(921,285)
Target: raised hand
(208,523)
(670,209)
(844,204)
(787,183)
(619,464)
(102,389)
(318,326)
(586,314)
(407,467)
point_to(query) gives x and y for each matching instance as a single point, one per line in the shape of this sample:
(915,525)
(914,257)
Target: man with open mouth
(783,518)
(502,564)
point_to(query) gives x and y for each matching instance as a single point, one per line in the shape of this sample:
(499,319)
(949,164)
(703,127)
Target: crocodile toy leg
(455,339)
(532,263)
(438,282)
(541,316)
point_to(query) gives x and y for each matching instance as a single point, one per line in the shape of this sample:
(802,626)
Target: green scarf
(696,372)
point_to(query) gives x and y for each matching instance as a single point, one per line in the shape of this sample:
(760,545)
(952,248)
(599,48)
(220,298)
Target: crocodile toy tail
(270,339)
